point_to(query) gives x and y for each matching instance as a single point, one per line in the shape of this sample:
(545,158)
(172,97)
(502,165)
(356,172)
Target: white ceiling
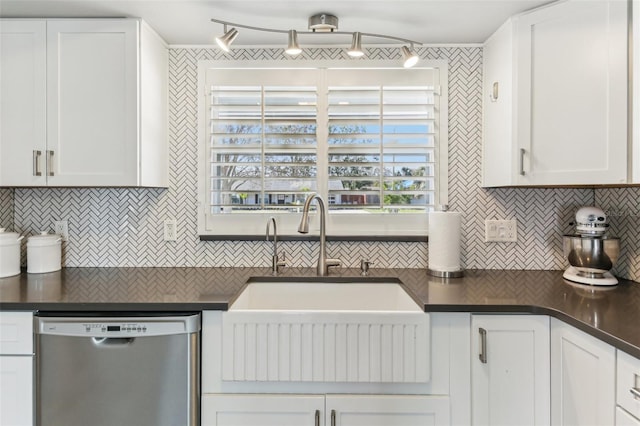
(188,21)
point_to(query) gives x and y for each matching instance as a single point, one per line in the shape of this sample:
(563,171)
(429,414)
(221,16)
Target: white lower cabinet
(16,368)
(386,410)
(627,389)
(264,410)
(320,402)
(510,370)
(625,419)
(329,410)
(582,378)
(16,390)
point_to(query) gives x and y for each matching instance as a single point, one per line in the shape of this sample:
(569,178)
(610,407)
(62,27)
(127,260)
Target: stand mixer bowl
(591,256)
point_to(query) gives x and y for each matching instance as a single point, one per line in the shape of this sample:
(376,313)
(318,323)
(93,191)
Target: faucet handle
(364,266)
(278,261)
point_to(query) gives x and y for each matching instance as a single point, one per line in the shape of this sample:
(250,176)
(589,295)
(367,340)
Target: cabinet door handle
(333,417)
(493,96)
(317,418)
(522,152)
(483,345)
(635,392)
(36,163)
(49,163)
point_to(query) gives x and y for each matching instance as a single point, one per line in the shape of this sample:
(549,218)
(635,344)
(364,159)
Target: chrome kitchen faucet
(324,263)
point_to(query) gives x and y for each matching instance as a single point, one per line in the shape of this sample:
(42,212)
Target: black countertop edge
(540,310)
(167,307)
(382,238)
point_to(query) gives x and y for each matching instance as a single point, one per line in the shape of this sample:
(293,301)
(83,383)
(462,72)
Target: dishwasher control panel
(113,327)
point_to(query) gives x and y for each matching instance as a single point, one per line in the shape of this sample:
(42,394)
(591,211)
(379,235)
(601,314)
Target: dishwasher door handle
(112,341)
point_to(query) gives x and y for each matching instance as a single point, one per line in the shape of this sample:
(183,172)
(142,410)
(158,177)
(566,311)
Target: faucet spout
(275,234)
(322,269)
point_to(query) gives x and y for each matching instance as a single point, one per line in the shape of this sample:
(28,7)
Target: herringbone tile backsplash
(6,208)
(122,227)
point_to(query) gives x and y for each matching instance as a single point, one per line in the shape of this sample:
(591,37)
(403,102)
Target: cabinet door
(262,410)
(572,93)
(628,382)
(510,370)
(92,102)
(22,102)
(386,410)
(625,419)
(16,390)
(498,142)
(16,333)
(582,378)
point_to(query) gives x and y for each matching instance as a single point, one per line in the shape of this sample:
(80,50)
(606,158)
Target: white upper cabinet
(101,88)
(555,97)
(23,112)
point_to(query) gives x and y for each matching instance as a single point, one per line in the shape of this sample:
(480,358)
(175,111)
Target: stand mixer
(591,253)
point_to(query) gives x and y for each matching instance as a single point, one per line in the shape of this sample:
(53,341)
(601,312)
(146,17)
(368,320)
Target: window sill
(381,238)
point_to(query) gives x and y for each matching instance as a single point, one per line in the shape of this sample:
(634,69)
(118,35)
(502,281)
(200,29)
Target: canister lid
(8,238)
(44,239)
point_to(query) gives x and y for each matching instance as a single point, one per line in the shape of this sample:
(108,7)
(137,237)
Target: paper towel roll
(444,241)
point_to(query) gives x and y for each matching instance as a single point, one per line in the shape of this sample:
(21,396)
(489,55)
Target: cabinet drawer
(16,333)
(625,419)
(628,383)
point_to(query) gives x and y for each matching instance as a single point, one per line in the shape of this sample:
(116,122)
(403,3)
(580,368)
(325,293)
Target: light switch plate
(170,230)
(500,231)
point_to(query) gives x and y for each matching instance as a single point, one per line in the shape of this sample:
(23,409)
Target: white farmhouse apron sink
(309,331)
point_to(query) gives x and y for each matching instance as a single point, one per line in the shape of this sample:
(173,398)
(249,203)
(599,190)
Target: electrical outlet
(501,231)
(170,230)
(61,227)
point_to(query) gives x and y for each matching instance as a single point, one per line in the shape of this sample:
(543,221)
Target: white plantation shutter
(262,140)
(381,141)
(365,139)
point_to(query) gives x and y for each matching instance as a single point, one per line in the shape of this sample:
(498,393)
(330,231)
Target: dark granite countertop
(611,314)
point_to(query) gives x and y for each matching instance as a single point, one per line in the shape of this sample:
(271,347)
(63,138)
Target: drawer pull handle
(36,163)
(333,417)
(49,163)
(317,417)
(635,392)
(483,345)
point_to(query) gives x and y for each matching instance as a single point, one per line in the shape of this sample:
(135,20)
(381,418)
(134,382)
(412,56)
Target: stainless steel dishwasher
(117,371)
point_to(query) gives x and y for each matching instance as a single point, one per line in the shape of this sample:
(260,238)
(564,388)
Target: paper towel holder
(445,274)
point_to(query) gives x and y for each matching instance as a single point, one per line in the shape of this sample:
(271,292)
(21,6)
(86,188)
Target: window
(369,140)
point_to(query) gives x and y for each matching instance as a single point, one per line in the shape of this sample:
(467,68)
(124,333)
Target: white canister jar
(9,253)
(44,253)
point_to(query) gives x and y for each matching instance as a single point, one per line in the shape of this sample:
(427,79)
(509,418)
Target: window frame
(413,226)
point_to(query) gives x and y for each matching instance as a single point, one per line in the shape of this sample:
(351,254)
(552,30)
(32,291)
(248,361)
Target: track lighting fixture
(320,24)
(409,57)
(355,51)
(224,41)
(293,48)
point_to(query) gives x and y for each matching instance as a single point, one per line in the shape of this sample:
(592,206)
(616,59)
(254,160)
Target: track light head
(409,58)
(293,48)
(224,41)
(355,51)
